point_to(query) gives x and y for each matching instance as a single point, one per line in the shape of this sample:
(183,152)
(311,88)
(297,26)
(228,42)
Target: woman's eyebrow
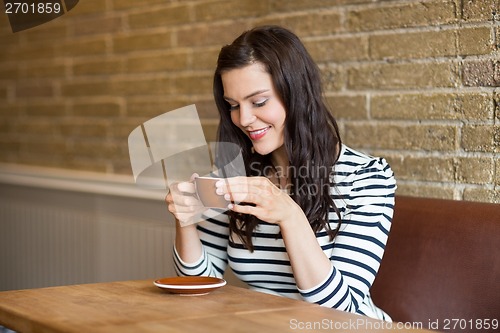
(249,96)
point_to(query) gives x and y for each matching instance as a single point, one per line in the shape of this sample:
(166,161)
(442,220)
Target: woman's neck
(279,159)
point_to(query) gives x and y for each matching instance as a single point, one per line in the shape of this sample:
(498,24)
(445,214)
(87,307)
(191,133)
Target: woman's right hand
(183,203)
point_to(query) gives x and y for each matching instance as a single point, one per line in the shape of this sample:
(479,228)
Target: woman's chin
(262,150)
(265,149)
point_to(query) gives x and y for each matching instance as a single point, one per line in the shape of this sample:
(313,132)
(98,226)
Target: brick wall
(414,81)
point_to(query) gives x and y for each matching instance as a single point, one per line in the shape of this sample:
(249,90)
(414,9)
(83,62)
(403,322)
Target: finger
(226,183)
(244,197)
(257,180)
(168,198)
(185,200)
(244,183)
(246,209)
(175,192)
(186,187)
(240,186)
(259,191)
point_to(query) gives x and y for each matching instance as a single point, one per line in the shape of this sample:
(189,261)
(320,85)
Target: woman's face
(255,107)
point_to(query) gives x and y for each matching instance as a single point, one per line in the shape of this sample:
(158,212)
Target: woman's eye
(233,107)
(260,104)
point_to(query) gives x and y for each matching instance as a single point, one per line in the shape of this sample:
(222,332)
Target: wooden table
(139,306)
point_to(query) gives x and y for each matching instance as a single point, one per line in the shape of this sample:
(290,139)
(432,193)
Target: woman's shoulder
(357,175)
(354,162)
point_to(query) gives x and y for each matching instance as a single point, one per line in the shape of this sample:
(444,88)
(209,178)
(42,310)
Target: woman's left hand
(260,196)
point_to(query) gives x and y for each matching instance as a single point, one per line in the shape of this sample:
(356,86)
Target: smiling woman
(311,218)
(255,107)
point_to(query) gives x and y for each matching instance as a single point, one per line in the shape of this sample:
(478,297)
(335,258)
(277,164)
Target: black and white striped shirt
(364,194)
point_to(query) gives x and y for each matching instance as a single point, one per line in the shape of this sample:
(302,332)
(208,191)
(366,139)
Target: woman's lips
(256,135)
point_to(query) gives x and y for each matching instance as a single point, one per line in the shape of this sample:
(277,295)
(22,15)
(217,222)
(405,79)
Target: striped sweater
(364,194)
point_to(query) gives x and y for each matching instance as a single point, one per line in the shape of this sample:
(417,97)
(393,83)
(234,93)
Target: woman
(316,214)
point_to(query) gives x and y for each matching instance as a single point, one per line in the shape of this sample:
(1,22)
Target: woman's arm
(186,208)
(210,237)
(187,243)
(201,235)
(357,250)
(309,264)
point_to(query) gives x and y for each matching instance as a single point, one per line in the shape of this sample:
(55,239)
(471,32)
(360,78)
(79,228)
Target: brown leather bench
(441,266)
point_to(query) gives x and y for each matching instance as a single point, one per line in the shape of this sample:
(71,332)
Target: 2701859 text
(469,324)
(32,8)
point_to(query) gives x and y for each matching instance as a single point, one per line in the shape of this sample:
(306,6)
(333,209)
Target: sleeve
(359,246)
(214,236)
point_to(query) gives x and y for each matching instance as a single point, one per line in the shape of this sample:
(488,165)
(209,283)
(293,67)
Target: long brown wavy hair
(311,136)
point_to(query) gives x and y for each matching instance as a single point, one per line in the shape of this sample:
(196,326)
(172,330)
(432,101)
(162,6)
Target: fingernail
(219,191)
(227,196)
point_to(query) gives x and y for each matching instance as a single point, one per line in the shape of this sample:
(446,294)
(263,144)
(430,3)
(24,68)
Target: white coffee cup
(205,190)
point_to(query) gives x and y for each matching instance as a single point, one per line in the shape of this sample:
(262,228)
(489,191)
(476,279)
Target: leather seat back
(442,262)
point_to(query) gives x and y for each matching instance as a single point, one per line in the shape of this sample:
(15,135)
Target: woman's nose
(246,116)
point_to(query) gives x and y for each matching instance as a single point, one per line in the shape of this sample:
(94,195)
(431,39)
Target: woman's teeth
(259,131)
(255,135)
